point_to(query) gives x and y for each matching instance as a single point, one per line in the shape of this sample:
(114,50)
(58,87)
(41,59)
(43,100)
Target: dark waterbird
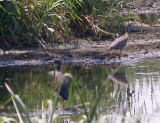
(60,81)
(120,42)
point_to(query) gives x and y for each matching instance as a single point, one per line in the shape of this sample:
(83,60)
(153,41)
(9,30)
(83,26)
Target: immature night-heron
(61,84)
(120,42)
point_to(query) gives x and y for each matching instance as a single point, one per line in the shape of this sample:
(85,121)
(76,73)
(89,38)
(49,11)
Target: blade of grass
(18,104)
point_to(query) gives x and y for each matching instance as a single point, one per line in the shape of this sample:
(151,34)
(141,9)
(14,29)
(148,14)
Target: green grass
(35,22)
(46,22)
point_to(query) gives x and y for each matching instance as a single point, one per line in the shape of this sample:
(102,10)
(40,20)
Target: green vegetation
(46,22)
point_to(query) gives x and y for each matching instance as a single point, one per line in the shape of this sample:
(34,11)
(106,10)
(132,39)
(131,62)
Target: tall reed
(44,22)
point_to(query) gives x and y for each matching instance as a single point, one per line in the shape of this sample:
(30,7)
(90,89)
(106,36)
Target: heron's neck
(128,30)
(57,68)
(126,34)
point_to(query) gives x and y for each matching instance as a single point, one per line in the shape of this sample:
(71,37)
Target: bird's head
(57,63)
(128,26)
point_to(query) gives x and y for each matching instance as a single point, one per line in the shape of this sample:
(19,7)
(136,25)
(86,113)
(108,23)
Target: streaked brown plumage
(61,84)
(120,42)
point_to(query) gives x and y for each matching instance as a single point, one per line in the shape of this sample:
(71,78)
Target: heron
(60,81)
(120,42)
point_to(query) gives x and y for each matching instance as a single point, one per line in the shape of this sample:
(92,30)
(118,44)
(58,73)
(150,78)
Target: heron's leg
(111,54)
(63,104)
(120,54)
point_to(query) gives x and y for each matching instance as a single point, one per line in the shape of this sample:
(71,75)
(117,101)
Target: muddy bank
(144,42)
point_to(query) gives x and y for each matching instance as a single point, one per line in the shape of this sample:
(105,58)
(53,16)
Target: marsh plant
(35,22)
(46,22)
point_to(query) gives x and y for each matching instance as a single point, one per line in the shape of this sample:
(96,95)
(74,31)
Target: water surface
(132,89)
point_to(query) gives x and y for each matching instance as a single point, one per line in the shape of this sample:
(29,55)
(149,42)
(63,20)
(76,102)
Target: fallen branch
(96,28)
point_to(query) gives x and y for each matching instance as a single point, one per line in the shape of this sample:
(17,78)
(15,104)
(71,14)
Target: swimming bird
(120,42)
(60,81)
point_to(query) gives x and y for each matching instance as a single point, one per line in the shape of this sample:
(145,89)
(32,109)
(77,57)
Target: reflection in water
(34,84)
(120,78)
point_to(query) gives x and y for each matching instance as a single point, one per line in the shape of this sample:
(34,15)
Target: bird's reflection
(120,78)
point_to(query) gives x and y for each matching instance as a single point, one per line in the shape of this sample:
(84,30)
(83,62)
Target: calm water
(133,89)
